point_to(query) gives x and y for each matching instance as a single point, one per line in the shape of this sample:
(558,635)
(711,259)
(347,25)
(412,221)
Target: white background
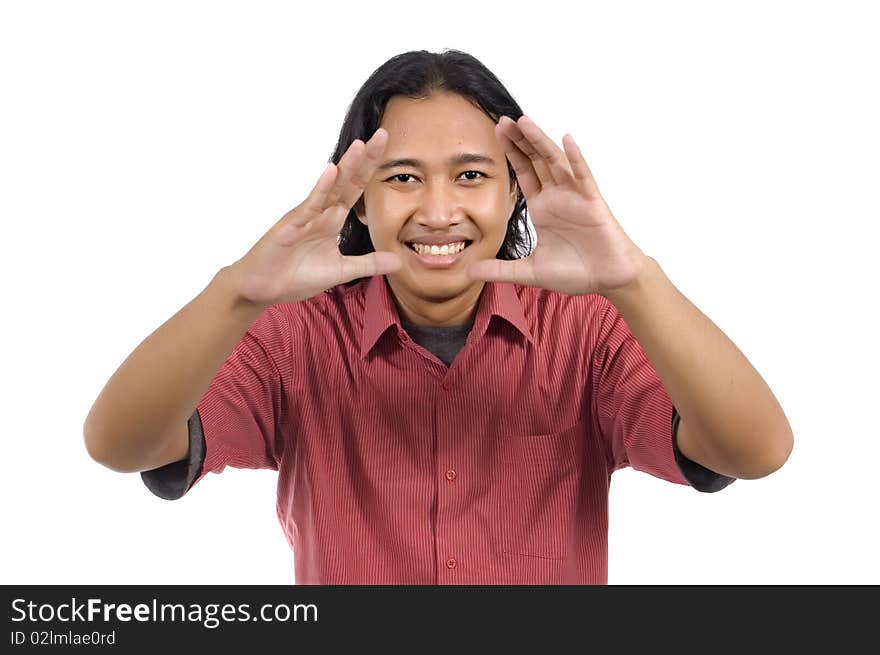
(143,146)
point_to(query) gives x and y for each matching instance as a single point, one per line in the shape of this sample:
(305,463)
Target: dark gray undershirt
(443,342)
(173,480)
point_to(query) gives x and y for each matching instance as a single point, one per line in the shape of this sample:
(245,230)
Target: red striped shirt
(394,469)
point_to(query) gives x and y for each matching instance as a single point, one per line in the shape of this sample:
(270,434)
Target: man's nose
(440,205)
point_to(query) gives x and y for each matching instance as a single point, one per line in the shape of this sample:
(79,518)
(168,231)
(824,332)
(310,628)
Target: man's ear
(359,210)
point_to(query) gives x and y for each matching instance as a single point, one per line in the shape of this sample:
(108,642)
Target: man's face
(436,200)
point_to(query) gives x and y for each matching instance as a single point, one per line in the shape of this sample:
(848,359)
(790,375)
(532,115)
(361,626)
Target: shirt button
(451,563)
(450,475)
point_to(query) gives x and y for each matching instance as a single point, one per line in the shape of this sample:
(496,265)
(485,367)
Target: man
(451,418)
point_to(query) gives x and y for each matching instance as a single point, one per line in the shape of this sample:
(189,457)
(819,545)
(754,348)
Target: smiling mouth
(445,250)
(438,257)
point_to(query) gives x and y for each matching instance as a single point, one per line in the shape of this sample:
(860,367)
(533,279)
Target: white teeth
(445,249)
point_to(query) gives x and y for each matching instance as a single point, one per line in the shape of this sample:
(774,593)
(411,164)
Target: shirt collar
(497,299)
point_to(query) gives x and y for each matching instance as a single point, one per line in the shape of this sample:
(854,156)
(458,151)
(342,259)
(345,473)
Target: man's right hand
(299,256)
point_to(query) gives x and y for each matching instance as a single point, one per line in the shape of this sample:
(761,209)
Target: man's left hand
(581,247)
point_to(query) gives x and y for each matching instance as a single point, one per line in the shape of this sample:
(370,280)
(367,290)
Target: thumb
(374,263)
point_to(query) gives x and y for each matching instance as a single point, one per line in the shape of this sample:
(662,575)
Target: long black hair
(418,74)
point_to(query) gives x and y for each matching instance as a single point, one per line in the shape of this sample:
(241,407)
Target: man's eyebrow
(460,158)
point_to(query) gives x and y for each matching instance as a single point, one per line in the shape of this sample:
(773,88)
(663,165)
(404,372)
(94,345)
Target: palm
(299,256)
(300,261)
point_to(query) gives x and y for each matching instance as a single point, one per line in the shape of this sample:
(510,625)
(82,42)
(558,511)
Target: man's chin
(435,286)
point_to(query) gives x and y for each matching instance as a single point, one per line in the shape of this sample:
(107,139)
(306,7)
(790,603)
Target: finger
(313,205)
(519,271)
(337,202)
(358,173)
(525,173)
(347,165)
(374,263)
(515,134)
(553,156)
(582,172)
(364,169)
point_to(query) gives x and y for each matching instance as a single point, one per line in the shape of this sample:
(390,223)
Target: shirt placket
(446,420)
(446,467)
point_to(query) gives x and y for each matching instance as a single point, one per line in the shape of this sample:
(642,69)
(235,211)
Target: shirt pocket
(540,478)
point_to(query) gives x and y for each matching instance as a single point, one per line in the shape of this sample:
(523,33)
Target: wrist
(228,280)
(620,295)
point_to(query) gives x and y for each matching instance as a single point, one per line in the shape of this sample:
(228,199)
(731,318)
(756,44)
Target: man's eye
(400,177)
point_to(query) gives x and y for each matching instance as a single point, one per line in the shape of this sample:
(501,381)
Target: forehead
(445,121)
